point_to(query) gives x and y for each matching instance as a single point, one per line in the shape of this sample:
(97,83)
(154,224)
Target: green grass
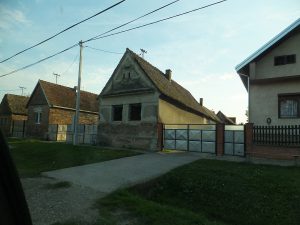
(58,185)
(33,157)
(212,192)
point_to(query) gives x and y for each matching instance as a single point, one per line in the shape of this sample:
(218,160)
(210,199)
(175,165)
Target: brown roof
(62,96)
(15,104)
(225,119)
(172,89)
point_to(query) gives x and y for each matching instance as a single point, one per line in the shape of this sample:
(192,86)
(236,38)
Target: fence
(87,133)
(191,137)
(234,140)
(277,135)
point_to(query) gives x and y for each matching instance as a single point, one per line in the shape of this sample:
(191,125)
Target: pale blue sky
(201,48)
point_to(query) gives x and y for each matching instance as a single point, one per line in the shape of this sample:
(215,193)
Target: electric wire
(157,21)
(108,35)
(131,21)
(64,30)
(39,61)
(106,51)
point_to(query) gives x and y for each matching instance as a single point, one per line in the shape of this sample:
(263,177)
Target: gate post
(248,128)
(160,137)
(220,127)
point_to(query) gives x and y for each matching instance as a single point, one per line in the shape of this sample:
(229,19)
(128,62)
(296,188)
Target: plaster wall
(264,102)
(265,66)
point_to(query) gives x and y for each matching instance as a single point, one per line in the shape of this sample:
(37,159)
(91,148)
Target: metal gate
(234,140)
(190,137)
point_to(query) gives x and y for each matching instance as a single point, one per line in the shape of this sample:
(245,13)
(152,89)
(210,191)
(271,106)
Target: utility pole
(143,51)
(22,88)
(56,75)
(75,136)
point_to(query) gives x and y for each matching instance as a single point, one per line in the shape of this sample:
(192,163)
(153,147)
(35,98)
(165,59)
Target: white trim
(269,44)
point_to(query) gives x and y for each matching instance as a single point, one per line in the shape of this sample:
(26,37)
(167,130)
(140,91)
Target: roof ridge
(135,54)
(67,87)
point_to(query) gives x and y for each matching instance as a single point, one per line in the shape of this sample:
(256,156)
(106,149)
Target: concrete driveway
(108,176)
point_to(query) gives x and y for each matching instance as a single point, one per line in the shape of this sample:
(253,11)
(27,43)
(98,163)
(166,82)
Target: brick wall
(37,130)
(64,117)
(267,151)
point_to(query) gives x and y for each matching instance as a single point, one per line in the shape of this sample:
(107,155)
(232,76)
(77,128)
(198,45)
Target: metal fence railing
(277,135)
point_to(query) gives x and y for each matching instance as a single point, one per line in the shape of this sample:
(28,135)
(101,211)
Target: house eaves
(268,45)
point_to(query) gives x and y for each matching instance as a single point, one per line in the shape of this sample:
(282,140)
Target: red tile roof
(62,96)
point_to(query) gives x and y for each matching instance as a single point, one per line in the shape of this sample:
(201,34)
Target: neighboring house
(226,120)
(274,74)
(137,98)
(55,104)
(12,108)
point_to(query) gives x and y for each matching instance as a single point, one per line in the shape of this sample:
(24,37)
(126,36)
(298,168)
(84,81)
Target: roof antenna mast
(56,75)
(143,51)
(22,88)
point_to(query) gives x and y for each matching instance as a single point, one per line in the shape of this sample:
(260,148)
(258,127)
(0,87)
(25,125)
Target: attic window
(135,111)
(284,59)
(117,112)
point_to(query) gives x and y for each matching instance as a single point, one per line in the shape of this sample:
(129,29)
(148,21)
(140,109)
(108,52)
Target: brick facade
(37,130)
(56,103)
(64,116)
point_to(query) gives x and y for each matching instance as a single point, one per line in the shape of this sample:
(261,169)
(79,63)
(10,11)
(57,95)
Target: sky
(201,48)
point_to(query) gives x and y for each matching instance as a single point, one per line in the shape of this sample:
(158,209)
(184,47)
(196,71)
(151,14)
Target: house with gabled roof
(139,97)
(52,103)
(271,76)
(225,119)
(12,110)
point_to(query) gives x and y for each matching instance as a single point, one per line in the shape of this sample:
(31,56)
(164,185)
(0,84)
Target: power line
(68,28)
(157,21)
(131,21)
(41,60)
(102,50)
(25,67)
(108,35)
(71,64)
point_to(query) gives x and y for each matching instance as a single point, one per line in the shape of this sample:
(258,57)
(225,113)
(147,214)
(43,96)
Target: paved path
(108,176)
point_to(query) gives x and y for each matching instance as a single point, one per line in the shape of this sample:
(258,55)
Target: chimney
(201,101)
(168,74)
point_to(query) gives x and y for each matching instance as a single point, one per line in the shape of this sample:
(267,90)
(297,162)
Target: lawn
(33,157)
(210,192)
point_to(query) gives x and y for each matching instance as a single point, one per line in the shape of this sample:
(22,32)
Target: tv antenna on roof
(56,75)
(22,88)
(143,51)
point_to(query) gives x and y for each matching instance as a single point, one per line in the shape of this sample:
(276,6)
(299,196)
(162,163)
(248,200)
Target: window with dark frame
(117,112)
(135,112)
(289,106)
(284,59)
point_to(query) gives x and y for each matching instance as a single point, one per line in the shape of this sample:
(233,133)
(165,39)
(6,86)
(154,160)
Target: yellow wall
(170,114)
